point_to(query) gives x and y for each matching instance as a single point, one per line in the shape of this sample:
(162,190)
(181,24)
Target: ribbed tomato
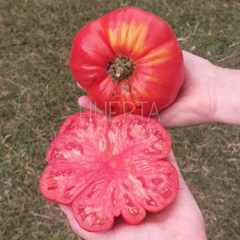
(104,169)
(128,61)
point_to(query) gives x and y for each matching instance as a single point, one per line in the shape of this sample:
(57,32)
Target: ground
(37,92)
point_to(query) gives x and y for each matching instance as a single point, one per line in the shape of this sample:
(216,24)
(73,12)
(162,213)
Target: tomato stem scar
(120,68)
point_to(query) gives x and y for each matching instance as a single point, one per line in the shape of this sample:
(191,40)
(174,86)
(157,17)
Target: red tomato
(128,61)
(104,169)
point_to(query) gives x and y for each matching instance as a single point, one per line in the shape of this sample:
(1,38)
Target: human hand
(195,103)
(209,94)
(182,219)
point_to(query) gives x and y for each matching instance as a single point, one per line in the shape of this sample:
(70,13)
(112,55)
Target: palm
(194,101)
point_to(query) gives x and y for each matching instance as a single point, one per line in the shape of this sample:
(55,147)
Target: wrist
(226,94)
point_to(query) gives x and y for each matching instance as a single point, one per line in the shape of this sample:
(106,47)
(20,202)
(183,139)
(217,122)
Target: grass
(37,92)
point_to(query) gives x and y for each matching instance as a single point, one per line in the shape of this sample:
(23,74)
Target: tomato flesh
(104,169)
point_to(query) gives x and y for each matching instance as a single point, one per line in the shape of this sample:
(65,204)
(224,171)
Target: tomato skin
(151,45)
(106,168)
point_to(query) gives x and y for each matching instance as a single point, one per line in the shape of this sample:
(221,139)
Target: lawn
(37,92)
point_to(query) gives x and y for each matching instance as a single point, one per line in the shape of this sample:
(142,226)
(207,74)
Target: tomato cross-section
(104,169)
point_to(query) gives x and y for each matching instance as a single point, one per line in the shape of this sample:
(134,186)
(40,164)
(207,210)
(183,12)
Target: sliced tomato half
(104,169)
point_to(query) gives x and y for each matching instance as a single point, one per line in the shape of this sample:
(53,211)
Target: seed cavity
(59,156)
(76,148)
(133,210)
(52,187)
(82,212)
(99,220)
(166,193)
(157,181)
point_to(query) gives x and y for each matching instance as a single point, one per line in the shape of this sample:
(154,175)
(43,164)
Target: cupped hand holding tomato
(181,220)
(206,96)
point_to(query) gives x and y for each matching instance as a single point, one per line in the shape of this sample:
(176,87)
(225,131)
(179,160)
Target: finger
(169,117)
(77,229)
(80,86)
(177,114)
(191,59)
(187,55)
(180,114)
(72,221)
(85,102)
(171,158)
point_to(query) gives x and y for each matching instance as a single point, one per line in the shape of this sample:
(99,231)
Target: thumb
(85,102)
(171,158)
(179,115)
(171,117)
